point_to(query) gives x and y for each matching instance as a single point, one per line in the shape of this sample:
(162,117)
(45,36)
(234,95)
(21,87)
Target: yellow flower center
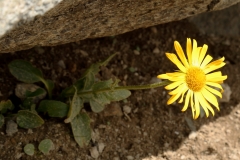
(195,79)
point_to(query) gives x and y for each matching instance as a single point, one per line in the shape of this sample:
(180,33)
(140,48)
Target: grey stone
(226,95)
(11,127)
(25,24)
(218,23)
(94,152)
(127,109)
(22,88)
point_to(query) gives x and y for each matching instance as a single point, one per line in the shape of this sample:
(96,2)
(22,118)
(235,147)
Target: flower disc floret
(195,79)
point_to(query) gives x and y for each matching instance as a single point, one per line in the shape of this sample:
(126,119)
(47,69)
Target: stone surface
(218,23)
(23,88)
(25,24)
(11,127)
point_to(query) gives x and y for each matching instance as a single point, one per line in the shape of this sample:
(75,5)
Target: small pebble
(94,152)
(101,146)
(62,64)
(135,110)
(113,110)
(11,127)
(73,67)
(154,30)
(29,131)
(155,80)
(136,52)
(84,53)
(127,109)
(130,157)
(116,158)
(226,95)
(228,130)
(182,157)
(125,66)
(18,155)
(166,144)
(192,135)
(156,50)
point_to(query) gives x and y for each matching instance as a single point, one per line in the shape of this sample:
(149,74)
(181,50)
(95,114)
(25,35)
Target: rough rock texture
(219,23)
(28,23)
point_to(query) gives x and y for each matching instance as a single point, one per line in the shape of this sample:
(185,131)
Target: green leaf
(1,120)
(90,79)
(93,69)
(98,101)
(29,149)
(53,108)
(102,85)
(6,105)
(49,86)
(81,129)
(117,95)
(33,97)
(96,106)
(33,108)
(45,146)
(40,92)
(87,81)
(26,104)
(75,107)
(24,71)
(27,119)
(79,85)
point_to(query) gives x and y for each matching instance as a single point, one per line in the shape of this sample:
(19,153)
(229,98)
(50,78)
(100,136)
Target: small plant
(45,146)
(87,89)
(29,149)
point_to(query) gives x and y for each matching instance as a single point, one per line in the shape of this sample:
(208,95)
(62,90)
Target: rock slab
(28,23)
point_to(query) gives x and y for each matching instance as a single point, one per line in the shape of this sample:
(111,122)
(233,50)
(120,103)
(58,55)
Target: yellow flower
(195,78)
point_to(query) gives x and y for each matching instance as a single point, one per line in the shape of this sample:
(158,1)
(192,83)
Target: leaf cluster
(72,99)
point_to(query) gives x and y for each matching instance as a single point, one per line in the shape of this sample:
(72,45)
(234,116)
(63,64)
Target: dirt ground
(151,130)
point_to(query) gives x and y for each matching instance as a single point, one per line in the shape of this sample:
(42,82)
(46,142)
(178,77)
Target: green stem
(134,87)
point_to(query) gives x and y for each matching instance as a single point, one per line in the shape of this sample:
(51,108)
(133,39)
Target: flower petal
(194,51)
(186,101)
(217,62)
(173,85)
(214,67)
(196,105)
(180,53)
(217,79)
(176,74)
(178,89)
(210,97)
(202,53)
(206,61)
(191,100)
(182,78)
(216,92)
(205,104)
(183,93)
(214,75)
(189,50)
(175,60)
(163,76)
(173,98)
(214,85)
(195,62)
